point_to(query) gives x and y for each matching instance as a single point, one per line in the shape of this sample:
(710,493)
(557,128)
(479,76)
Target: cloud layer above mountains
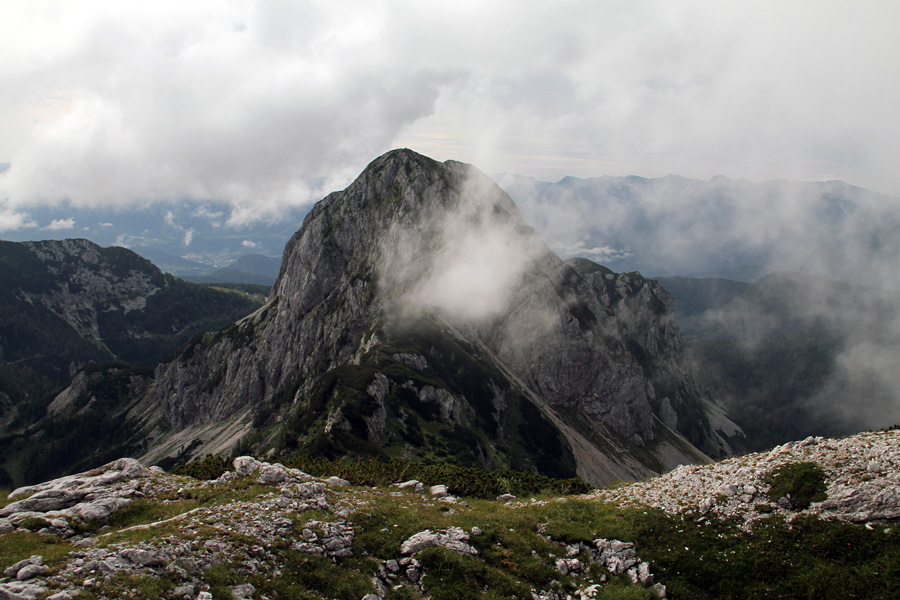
(270,104)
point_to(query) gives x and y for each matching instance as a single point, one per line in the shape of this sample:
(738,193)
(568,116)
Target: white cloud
(59,224)
(12,219)
(600,254)
(249,244)
(243,102)
(188,237)
(108,103)
(215,217)
(466,258)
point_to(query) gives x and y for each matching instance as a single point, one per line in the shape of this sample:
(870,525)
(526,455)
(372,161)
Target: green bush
(802,483)
(461,481)
(34,523)
(211,466)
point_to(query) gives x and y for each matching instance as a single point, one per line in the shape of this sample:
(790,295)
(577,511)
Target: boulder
(244,591)
(19,590)
(245,465)
(31,571)
(453,538)
(13,571)
(272,474)
(142,558)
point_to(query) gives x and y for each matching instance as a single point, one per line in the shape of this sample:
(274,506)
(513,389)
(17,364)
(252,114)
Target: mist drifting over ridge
(465,259)
(735,229)
(823,254)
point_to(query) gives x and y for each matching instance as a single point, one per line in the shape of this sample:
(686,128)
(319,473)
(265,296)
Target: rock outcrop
(91,496)
(862,482)
(417,300)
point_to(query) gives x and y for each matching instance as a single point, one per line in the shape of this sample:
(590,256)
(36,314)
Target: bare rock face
(92,284)
(419,295)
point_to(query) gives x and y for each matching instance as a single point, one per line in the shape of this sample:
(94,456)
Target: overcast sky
(268,103)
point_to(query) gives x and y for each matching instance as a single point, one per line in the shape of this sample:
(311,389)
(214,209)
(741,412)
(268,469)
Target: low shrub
(460,481)
(211,466)
(34,523)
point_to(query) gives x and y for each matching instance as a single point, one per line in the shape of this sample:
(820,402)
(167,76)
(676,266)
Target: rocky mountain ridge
(111,298)
(69,311)
(261,527)
(417,305)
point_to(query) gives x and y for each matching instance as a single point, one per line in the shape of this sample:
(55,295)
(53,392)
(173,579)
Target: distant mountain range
(253,269)
(668,226)
(731,229)
(186,240)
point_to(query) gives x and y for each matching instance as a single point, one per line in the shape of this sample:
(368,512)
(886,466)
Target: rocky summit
(263,530)
(417,315)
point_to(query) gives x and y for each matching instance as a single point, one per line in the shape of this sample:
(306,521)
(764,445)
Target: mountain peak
(417,315)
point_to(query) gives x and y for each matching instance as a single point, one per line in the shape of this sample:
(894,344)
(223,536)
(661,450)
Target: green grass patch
(452,576)
(581,520)
(150,510)
(5,500)
(620,588)
(144,586)
(34,523)
(144,511)
(312,577)
(802,483)
(19,545)
(384,522)
(807,558)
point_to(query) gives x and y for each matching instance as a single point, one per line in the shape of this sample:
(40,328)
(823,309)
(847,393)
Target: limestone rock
(245,465)
(336,482)
(143,558)
(453,538)
(90,496)
(244,591)
(439,491)
(13,571)
(30,571)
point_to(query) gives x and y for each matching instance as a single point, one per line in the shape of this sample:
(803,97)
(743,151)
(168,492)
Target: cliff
(416,314)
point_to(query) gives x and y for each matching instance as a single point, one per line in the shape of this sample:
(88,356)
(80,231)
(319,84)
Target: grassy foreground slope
(267,530)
